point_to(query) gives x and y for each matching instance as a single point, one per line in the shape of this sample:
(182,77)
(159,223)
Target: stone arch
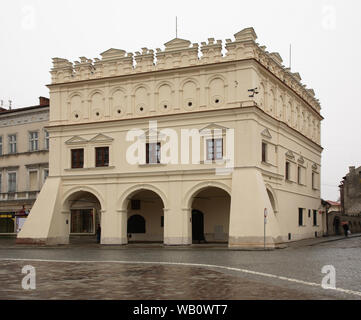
(73,94)
(192,192)
(184,81)
(141,85)
(216,87)
(95,91)
(115,89)
(162,83)
(124,199)
(217,76)
(90,190)
(273,199)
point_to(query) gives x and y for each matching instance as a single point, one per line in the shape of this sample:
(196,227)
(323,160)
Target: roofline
(23,109)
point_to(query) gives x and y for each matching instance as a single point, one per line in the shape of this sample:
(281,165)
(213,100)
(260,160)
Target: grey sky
(325,37)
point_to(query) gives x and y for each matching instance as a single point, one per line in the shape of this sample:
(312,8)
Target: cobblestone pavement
(93,272)
(132,282)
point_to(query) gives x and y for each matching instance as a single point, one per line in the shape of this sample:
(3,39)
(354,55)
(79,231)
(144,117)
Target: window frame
(301,217)
(12,143)
(80,159)
(288,171)
(215,155)
(46,140)
(149,157)
(264,152)
(33,142)
(16,178)
(104,160)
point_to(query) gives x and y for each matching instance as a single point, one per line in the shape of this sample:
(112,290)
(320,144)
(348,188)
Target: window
(153,153)
(46,174)
(77,158)
(300,217)
(33,141)
(315,218)
(46,140)
(264,152)
(215,149)
(287,171)
(33,181)
(299,172)
(135,204)
(1,146)
(12,143)
(1,180)
(309,213)
(162,221)
(12,182)
(102,157)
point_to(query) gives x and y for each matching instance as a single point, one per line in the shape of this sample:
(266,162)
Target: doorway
(197,226)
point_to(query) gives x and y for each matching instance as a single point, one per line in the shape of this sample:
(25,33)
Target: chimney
(43,101)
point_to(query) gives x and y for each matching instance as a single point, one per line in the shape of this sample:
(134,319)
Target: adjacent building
(195,147)
(24,158)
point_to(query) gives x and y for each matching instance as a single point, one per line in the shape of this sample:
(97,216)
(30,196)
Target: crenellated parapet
(180,53)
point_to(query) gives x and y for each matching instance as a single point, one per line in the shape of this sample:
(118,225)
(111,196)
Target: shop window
(136,224)
(7,224)
(102,157)
(77,158)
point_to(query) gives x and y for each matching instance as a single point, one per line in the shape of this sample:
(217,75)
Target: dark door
(197,226)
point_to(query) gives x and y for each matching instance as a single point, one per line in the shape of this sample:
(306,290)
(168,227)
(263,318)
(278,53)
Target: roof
(23,109)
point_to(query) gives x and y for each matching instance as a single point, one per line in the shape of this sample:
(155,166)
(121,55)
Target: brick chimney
(43,101)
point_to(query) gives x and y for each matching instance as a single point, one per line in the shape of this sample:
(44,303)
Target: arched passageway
(211,215)
(85,217)
(145,217)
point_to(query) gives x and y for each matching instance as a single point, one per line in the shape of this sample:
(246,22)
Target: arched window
(136,224)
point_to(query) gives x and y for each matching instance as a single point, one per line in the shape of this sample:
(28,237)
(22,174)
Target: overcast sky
(325,37)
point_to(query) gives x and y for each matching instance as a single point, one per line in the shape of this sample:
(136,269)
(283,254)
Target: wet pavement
(213,272)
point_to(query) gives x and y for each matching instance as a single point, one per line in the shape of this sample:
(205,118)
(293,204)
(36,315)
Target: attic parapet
(181,53)
(144,60)
(211,51)
(62,70)
(177,53)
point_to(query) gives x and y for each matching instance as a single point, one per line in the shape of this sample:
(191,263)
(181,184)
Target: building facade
(24,158)
(350,206)
(188,149)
